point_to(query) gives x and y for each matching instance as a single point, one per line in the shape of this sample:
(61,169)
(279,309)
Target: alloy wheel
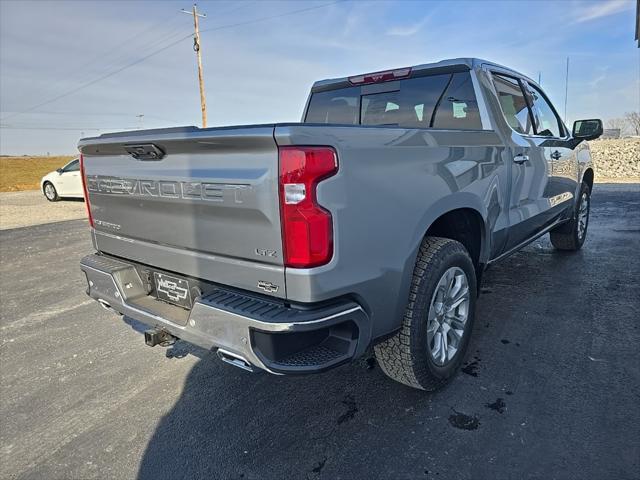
(49,191)
(583,215)
(448,314)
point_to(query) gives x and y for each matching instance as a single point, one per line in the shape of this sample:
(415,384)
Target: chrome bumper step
(250,331)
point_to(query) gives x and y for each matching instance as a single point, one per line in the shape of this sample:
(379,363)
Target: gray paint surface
(392,184)
(83,397)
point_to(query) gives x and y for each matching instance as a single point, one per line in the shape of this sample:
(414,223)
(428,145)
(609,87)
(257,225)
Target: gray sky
(261,57)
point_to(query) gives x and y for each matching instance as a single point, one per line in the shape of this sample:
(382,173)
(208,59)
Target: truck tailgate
(208,208)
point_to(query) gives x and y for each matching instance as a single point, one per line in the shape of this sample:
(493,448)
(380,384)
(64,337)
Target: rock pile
(617,159)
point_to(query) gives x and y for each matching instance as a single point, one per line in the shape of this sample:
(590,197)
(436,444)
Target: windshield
(72,166)
(445,101)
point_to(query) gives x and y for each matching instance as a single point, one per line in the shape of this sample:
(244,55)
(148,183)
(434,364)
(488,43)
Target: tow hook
(155,337)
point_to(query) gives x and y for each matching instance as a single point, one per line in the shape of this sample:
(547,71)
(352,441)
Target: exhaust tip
(104,304)
(235,360)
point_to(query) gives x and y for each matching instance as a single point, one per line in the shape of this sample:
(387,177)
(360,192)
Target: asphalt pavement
(550,387)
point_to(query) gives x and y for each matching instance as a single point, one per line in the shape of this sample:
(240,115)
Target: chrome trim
(527,241)
(233,359)
(521,158)
(207,326)
(560,198)
(281,327)
(119,300)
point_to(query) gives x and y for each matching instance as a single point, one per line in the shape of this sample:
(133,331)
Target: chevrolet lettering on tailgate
(217,192)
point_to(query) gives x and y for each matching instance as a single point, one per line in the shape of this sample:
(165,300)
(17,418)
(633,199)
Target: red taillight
(86,192)
(307,231)
(380,76)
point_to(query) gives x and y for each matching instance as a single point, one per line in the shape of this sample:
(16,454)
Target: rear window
(335,106)
(445,101)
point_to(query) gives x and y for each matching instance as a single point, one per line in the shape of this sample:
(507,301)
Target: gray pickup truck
(294,248)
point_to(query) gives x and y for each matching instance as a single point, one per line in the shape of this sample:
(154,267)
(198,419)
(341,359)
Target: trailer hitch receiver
(155,337)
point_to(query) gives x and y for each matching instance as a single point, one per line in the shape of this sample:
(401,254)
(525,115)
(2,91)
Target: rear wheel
(50,192)
(571,235)
(430,346)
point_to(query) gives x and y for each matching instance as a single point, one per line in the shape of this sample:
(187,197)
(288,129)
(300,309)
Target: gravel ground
(616,160)
(550,387)
(22,209)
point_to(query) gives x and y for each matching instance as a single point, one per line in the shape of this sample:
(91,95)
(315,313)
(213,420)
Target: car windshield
(72,166)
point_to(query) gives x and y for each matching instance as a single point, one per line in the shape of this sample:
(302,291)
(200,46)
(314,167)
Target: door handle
(556,155)
(520,158)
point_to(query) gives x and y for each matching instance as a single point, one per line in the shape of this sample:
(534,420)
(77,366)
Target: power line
(96,80)
(82,69)
(102,114)
(239,7)
(257,20)
(146,57)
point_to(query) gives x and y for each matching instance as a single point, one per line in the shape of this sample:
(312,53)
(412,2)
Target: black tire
(406,356)
(568,236)
(50,192)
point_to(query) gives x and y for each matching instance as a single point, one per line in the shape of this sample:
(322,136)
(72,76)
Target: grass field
(24,173)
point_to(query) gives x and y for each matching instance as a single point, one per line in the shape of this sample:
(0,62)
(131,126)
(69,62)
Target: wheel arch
(464,225)
(462,217)
(461,208)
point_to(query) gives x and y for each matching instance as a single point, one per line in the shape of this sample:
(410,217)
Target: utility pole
(196,48)
(141,119)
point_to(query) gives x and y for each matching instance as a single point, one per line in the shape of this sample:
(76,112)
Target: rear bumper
(257,332)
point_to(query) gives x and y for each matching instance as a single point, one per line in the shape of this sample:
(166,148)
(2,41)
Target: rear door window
(458,107)
(513,103)
(445,101)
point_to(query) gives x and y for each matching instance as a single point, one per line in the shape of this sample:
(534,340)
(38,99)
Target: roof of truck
(466,62)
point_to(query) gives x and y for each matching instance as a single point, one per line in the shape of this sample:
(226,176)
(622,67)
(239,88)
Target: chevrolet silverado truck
(295,247)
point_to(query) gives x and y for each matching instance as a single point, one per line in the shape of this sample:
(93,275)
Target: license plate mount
(172,290)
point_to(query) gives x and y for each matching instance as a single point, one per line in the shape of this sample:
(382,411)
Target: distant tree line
(628,125)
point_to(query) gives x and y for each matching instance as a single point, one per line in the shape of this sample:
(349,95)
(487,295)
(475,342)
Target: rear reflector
(307,230)
(377,77)
(86,192)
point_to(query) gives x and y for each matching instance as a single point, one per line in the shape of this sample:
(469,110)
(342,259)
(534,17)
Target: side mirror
(587,129)
(59,170)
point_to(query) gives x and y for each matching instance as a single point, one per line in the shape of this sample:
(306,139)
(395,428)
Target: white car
(64,182)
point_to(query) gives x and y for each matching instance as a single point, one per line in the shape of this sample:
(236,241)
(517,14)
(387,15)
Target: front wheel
(434,336)
(50,192)
(571,235)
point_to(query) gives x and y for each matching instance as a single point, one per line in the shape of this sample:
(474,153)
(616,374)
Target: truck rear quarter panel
(392,184)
